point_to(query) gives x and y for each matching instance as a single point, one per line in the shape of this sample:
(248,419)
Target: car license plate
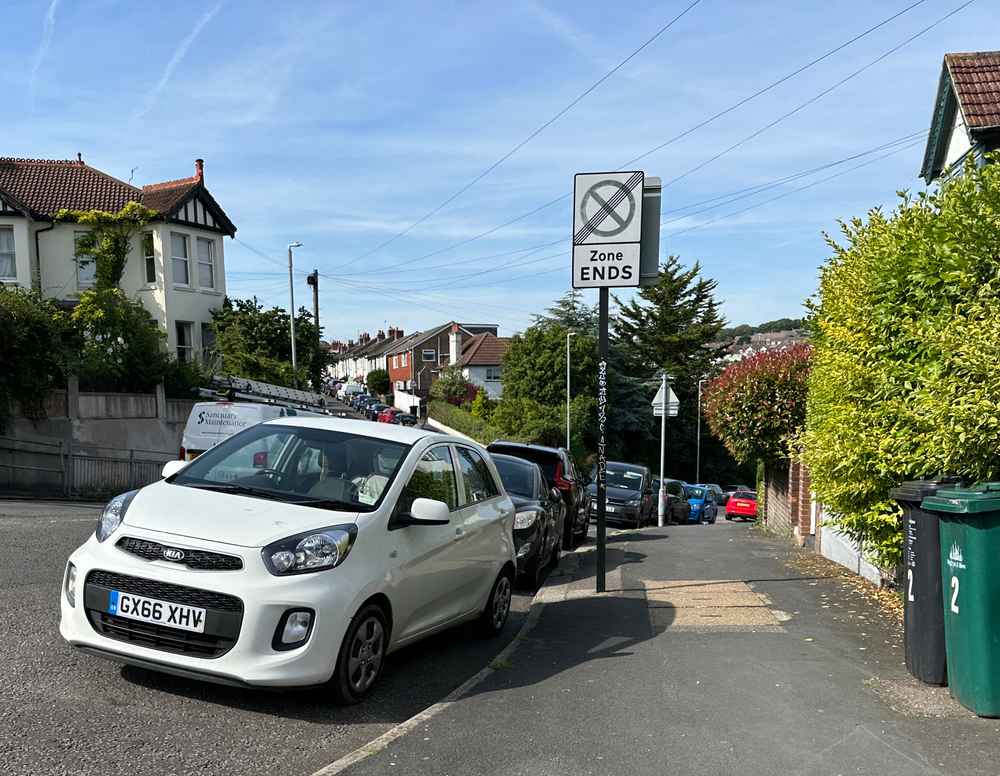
(610,508)
(136,607)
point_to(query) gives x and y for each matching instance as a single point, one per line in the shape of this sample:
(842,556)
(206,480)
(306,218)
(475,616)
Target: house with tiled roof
(482,362)
(176,267)
(415,361)
(966,119)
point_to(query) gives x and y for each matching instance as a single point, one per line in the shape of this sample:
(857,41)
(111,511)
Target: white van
(350,389)
(211,422)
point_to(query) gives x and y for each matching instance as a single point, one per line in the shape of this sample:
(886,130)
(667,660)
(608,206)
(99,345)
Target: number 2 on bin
(954,594)
(909,584)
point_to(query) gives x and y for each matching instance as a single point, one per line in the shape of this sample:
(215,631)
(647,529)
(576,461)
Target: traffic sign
(607,229)
(673,404)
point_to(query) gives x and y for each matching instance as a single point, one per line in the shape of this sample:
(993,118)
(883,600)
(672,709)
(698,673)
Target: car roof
(514,459)
(636,466)
(405,434)
(526,446)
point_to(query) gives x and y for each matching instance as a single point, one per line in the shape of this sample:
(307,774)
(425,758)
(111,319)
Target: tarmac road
(65,712)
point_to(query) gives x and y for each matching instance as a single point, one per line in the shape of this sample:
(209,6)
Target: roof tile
(976,77)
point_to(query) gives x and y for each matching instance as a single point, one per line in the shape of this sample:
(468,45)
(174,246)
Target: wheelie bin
(970,562)
(923,619)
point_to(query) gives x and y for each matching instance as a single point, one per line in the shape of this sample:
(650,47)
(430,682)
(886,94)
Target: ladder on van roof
(237,388)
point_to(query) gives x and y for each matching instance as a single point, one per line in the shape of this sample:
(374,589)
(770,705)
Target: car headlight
(324,548)
(525,519)
(70,584)
(634,502)
(113,515)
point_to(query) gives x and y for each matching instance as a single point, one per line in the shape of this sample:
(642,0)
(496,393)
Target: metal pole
(602,461)
(291,318)
(661,507)
(697,447)
(568,335)
(315,285)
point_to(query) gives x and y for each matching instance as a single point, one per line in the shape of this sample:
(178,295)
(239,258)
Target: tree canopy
(255,342)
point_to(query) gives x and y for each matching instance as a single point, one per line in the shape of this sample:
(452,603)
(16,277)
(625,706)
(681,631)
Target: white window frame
(207,351)
(209,263)
(185,259)
(148,259)
(12,253)
(395,364)
(188,348)
(92,266)
(496,371)
(404,359)
(432,359)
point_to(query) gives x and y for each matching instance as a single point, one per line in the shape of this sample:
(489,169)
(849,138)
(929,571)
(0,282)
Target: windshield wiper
(241,490)
(326,503)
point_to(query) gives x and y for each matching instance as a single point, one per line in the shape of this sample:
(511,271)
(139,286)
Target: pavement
(716,650)
(65,712)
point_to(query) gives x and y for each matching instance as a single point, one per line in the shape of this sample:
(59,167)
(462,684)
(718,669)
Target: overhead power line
(705,122)
(531,136)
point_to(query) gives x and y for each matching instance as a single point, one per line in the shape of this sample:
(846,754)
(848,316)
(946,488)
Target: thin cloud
(175,60)
(48,28)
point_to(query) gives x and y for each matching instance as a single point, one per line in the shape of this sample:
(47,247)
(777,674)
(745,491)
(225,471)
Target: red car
(743,504)
(388,414)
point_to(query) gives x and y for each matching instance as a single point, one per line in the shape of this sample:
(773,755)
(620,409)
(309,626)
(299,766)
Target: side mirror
(423,511)
(556,495)
(171,468)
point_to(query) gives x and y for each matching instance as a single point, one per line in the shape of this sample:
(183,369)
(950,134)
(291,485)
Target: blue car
(704,507)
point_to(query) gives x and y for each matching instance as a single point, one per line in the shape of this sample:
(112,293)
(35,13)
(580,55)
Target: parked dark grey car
(630,494)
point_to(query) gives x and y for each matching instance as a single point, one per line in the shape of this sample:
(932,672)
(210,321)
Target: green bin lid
(918,490)
(977,499)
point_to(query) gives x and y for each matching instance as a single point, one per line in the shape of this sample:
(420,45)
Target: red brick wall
(789,500)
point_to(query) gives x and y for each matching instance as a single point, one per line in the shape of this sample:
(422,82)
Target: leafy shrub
(378,382)
(183,379)
(465,422)
(122,345)
(451,386)
(483,406)
(37,342)
(907,339)
(757,405)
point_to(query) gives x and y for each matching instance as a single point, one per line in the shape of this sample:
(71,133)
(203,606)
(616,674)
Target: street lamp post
(697,447)
(568,335)
(291,316)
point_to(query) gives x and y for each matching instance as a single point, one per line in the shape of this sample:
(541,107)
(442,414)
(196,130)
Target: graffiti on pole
(602,421)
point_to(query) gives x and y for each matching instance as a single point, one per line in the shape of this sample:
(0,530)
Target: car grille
(145,634)
(224,616)
(193,559)
(165,591)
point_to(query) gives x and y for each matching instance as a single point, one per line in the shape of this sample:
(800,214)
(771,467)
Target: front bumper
(251,658)
(617,512)
(528,543)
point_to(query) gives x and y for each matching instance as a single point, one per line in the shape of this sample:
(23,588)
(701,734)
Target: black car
(538,525)
(404,419)
(678,509)
(357,400)
(630,493)
(559,472)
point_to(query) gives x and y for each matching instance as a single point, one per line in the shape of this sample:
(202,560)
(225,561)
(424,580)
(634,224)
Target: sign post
(611,249)
(664,404)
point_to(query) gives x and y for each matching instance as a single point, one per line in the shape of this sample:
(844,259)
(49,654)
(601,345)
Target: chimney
(454,344)
(381,335)
(79,158)
(199,169)
(399,333)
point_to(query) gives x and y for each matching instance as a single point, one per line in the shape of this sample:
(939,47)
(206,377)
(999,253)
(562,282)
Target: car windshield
(620,477)
(517,476)
(546,460)
(745,494)
(696,492)
(299,465)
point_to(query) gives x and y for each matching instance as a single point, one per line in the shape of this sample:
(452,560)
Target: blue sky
(340,124)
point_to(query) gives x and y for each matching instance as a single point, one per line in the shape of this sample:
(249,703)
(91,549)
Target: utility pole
(291,313)
(697,447)
(568,335)
(661,496)
(313,280)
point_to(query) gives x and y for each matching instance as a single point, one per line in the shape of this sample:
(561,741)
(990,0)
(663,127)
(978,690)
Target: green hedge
(906,339)
(460,420)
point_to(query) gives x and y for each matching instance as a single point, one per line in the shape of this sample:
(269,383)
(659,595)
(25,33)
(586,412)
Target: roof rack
(243,388)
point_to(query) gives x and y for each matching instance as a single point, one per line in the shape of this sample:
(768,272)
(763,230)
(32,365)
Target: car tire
(494,616)
(362,656)
(729,517)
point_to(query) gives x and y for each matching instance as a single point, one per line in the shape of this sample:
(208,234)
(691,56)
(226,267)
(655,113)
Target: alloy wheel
(366,654)
(501,602)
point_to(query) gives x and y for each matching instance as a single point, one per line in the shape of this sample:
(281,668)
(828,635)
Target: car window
(547,460)
(676,488)
(299,464)
(620,477)
(696,492)
(434,478)
(518,477)
(477,481)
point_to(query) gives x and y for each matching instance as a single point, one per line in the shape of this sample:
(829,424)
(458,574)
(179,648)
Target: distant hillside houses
(740,339)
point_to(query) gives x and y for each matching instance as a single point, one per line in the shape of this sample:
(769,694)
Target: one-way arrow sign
(673,404)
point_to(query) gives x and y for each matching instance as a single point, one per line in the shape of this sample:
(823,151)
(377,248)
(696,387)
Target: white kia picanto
(297,552)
